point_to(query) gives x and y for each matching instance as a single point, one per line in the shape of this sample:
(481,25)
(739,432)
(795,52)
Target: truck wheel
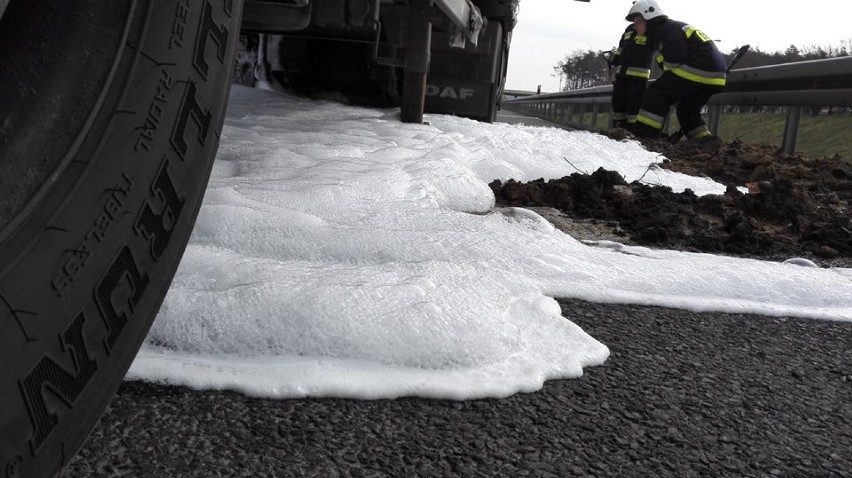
(110,118)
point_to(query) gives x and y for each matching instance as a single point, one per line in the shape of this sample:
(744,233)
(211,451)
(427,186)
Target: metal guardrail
(816,83)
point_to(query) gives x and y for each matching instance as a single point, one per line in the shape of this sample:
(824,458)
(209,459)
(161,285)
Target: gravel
(683,394)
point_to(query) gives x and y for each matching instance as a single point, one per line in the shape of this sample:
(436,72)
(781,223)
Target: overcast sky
(547,30)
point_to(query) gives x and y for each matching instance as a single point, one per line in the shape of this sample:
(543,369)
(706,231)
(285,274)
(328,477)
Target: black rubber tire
(110,119)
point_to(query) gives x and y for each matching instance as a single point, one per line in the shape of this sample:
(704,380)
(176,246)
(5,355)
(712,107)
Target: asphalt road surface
(683,394)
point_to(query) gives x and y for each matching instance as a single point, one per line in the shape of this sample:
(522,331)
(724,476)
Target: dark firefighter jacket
(633,56)
(687,52)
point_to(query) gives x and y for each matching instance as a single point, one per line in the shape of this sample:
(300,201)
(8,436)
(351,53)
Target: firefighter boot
(641,130)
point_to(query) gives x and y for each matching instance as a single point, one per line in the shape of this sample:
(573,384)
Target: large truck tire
(110,113)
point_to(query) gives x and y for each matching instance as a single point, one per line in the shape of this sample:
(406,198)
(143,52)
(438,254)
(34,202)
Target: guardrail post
(570,114)
(595,110)
(715,113)
(791,129)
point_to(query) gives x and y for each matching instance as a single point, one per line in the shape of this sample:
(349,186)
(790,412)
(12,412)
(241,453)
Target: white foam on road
(340,252)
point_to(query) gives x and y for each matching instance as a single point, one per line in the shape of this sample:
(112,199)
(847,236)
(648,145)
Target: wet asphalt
(683,394)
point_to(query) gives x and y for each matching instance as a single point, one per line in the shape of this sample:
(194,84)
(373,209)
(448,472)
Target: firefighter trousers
(670,89)
(627,96)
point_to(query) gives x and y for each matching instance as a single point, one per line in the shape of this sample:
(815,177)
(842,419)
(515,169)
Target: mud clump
(794,207)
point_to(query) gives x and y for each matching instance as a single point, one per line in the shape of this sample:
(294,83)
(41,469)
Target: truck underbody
(447,56)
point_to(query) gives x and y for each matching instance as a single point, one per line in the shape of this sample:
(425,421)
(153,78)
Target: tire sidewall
(85,272)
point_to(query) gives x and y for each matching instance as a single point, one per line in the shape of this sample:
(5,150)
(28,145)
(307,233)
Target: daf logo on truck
(459,93)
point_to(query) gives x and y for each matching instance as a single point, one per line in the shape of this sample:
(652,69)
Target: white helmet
(647,8)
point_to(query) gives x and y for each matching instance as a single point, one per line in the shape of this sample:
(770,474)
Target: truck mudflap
(466,81)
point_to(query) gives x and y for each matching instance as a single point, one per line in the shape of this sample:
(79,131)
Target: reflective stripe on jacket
(688,52)
(633,56)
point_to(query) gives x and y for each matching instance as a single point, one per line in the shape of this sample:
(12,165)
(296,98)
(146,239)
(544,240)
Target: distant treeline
(584,69)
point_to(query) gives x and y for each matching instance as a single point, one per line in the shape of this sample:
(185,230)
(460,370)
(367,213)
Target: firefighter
(631,69)
(693,71)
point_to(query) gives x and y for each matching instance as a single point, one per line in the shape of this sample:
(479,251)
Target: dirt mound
(794,207)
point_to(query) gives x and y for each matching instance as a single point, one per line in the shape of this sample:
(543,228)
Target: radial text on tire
(110,118)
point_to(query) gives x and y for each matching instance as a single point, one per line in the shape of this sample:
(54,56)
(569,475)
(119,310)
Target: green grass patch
(819,136)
